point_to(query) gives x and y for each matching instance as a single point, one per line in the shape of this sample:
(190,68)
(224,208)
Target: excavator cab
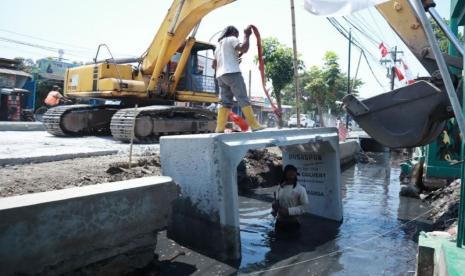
(199,75)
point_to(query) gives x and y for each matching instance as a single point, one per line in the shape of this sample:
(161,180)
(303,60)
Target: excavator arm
(180,20)
(413,115)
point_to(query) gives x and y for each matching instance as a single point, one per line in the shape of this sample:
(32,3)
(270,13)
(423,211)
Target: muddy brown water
(375,237)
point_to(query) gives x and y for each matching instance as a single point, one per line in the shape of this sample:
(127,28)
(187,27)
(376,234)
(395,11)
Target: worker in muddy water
(290,202)
(229,76)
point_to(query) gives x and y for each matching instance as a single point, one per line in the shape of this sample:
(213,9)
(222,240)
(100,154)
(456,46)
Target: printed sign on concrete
(316,166)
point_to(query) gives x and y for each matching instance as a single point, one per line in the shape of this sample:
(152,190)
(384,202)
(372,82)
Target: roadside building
(13,98)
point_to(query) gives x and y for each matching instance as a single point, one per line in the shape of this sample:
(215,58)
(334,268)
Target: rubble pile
(120,171)
(445,204)
(259,168)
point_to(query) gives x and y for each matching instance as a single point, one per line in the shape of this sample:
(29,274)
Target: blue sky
(129,26)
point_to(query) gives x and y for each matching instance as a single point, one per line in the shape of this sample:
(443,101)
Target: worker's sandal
(250,117)
(222,119)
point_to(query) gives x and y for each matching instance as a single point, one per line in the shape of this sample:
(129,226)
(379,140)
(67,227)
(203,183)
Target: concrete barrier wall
(348,150)
(22,126)
(206,215)
(59,231)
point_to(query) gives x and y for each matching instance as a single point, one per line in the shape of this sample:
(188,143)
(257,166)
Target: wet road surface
(373,239)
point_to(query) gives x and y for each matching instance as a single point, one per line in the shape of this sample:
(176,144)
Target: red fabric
(399,74)
(238,120)
(342,130)
(261,67)
(384,51)
(408,74)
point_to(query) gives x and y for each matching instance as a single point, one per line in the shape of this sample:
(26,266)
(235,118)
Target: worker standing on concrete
(229,76)
(54,97)
(290,202)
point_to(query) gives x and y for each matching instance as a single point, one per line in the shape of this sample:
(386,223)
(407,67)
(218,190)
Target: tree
(25,64)
(323,87)
(279,67)
(443,41)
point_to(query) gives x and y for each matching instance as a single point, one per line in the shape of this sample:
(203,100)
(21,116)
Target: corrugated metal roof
(14,72)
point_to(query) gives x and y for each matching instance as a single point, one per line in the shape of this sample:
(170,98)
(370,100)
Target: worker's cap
(291,168)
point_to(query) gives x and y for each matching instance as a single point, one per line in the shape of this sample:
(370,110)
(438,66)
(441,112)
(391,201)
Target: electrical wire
(344,33)
(46,40)
(38,46)
(370,38)
(79,51)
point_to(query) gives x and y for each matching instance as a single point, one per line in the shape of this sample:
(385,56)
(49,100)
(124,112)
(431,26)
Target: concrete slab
(19,147)
(205,169)
(59,231)
(21,126)
(347,151)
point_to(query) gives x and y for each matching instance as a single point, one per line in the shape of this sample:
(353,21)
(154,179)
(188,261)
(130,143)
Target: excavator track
(151,122)
(78,120)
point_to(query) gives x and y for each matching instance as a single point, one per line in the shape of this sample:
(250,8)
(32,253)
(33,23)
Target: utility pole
(392,62)
(296,64)
(250,83)
(348,74)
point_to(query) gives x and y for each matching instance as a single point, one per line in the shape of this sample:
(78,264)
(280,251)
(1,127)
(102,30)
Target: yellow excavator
(175,68)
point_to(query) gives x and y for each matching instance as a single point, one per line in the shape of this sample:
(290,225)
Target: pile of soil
(445,204)
(259,168)
(33,178)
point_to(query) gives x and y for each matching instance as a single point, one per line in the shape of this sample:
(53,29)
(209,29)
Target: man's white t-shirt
(226,56)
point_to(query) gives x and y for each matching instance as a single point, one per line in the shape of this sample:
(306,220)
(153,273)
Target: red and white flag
(383,49)
(338,7)
(408,74)
(399,74)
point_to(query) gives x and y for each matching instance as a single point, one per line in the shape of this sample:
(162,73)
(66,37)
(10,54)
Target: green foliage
(443,41)
(279,66)
(322,86)
(26,64)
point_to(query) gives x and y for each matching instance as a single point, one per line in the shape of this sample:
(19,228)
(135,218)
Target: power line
(370,38)
(77,49)
(38,46)
(344,33)
(46,40)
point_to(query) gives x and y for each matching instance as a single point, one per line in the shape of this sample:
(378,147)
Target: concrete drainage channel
(207,208)
(67,230)
(58,232)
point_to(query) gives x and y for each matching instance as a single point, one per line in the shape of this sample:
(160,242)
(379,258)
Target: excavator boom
(413,115)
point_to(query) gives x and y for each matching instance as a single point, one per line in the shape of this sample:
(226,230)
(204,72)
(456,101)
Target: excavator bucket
(410,116)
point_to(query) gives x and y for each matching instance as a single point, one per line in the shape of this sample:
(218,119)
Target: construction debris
(445,204)
(259,168)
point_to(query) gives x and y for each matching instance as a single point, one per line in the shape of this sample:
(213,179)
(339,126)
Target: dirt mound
(33,178)
(445,204)
(259,168)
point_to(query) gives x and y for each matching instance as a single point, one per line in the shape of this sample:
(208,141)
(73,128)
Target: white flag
(338,7)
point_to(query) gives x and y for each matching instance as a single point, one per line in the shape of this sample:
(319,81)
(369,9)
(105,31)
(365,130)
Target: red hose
(238,120)
(261,67)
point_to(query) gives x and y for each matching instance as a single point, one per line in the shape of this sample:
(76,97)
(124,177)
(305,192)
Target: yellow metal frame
(402,18)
